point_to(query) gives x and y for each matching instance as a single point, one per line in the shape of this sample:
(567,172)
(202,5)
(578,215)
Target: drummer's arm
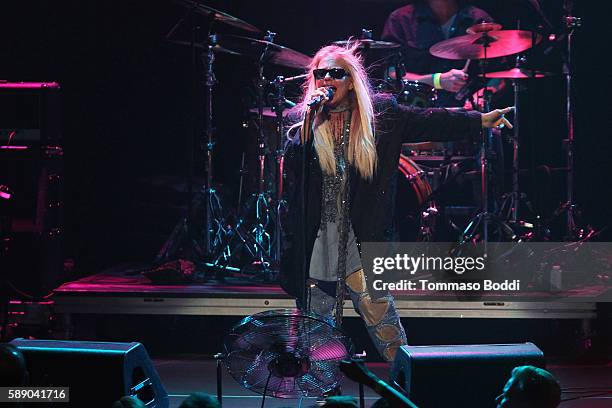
(451,81)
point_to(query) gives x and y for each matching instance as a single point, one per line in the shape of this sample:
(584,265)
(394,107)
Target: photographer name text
(426,285)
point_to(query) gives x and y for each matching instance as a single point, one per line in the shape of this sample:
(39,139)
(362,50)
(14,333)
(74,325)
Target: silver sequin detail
(333,185)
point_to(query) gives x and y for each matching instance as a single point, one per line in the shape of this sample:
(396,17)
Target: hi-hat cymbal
(276,54)
(471,46)
(217,15)
(517,73)
(368,43)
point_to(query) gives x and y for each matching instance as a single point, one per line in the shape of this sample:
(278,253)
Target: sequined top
(333,184)
(326,258)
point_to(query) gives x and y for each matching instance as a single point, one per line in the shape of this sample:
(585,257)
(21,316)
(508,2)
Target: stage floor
(126,294)
(132,293)
(184,374)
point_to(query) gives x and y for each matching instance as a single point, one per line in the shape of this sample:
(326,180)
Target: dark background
(128,106)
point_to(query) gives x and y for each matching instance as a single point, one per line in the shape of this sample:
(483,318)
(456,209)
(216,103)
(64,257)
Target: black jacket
(372,202)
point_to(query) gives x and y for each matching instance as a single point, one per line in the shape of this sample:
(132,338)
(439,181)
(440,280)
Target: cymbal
(517,73)
(216,15)
(269,112)
(368,43)
(483,27)
(216,48)
(470,46)
(276,54)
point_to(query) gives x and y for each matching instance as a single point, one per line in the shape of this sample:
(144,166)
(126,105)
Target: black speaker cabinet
(460,375)
(31,161)
(97,373)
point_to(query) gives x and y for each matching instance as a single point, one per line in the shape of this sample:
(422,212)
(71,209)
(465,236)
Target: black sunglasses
(336,73)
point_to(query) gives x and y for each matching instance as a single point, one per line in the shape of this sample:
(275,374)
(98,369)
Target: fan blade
(331,350)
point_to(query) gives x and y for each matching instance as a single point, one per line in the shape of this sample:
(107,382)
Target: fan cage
(305,346)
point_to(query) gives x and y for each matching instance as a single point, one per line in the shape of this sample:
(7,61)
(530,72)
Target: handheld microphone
(317,100)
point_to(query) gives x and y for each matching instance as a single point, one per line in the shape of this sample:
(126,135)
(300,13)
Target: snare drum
(414,93)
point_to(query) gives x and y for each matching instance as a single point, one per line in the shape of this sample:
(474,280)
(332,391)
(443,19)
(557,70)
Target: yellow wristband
(436,80)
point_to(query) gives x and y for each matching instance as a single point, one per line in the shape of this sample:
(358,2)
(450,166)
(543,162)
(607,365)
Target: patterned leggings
(380,317)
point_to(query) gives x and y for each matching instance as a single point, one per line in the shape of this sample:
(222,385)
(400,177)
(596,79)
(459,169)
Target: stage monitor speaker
(460,375)
(97,373)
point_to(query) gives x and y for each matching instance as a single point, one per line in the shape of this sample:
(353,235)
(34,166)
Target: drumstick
(467,64)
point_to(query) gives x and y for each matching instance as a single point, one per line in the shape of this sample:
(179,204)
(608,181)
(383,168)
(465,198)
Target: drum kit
(257,230)
(260,232)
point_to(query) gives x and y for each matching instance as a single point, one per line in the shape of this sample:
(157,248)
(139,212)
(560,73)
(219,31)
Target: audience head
(129,402)
(381,403)
(530,387)
(338,401)
(13,370)
(200,400)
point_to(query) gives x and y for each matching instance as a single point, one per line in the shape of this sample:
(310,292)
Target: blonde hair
(362,147)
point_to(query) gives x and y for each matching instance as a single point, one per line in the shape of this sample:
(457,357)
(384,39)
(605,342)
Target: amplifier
(31,156)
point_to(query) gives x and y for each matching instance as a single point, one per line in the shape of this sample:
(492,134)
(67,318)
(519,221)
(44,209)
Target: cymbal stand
(214,229)
(484,218)
(510,207)
(257,240)
(570,208)
(280,103)
(214,220)
(262,210)
(279,107)
(513,198)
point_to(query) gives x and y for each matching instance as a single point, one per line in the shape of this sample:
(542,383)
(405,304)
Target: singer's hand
(321,92)
(453,80)
(496,119)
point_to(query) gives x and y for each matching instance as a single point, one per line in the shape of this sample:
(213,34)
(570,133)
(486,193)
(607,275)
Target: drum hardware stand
(243,172)
(366,53)
(214,223)
(569,207)
(213,204)
(280,103)
(427,223)
(257,240)
(279,107)
(510,206)
(428,216)
(484,218)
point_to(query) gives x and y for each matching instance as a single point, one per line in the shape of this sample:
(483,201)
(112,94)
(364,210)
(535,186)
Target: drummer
(422,24)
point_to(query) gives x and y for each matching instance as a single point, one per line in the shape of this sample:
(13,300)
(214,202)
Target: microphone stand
(306,139)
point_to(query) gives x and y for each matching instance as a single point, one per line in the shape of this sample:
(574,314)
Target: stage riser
(244,307)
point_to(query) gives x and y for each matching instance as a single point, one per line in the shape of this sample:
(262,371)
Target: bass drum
(415,212)
(414,93)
